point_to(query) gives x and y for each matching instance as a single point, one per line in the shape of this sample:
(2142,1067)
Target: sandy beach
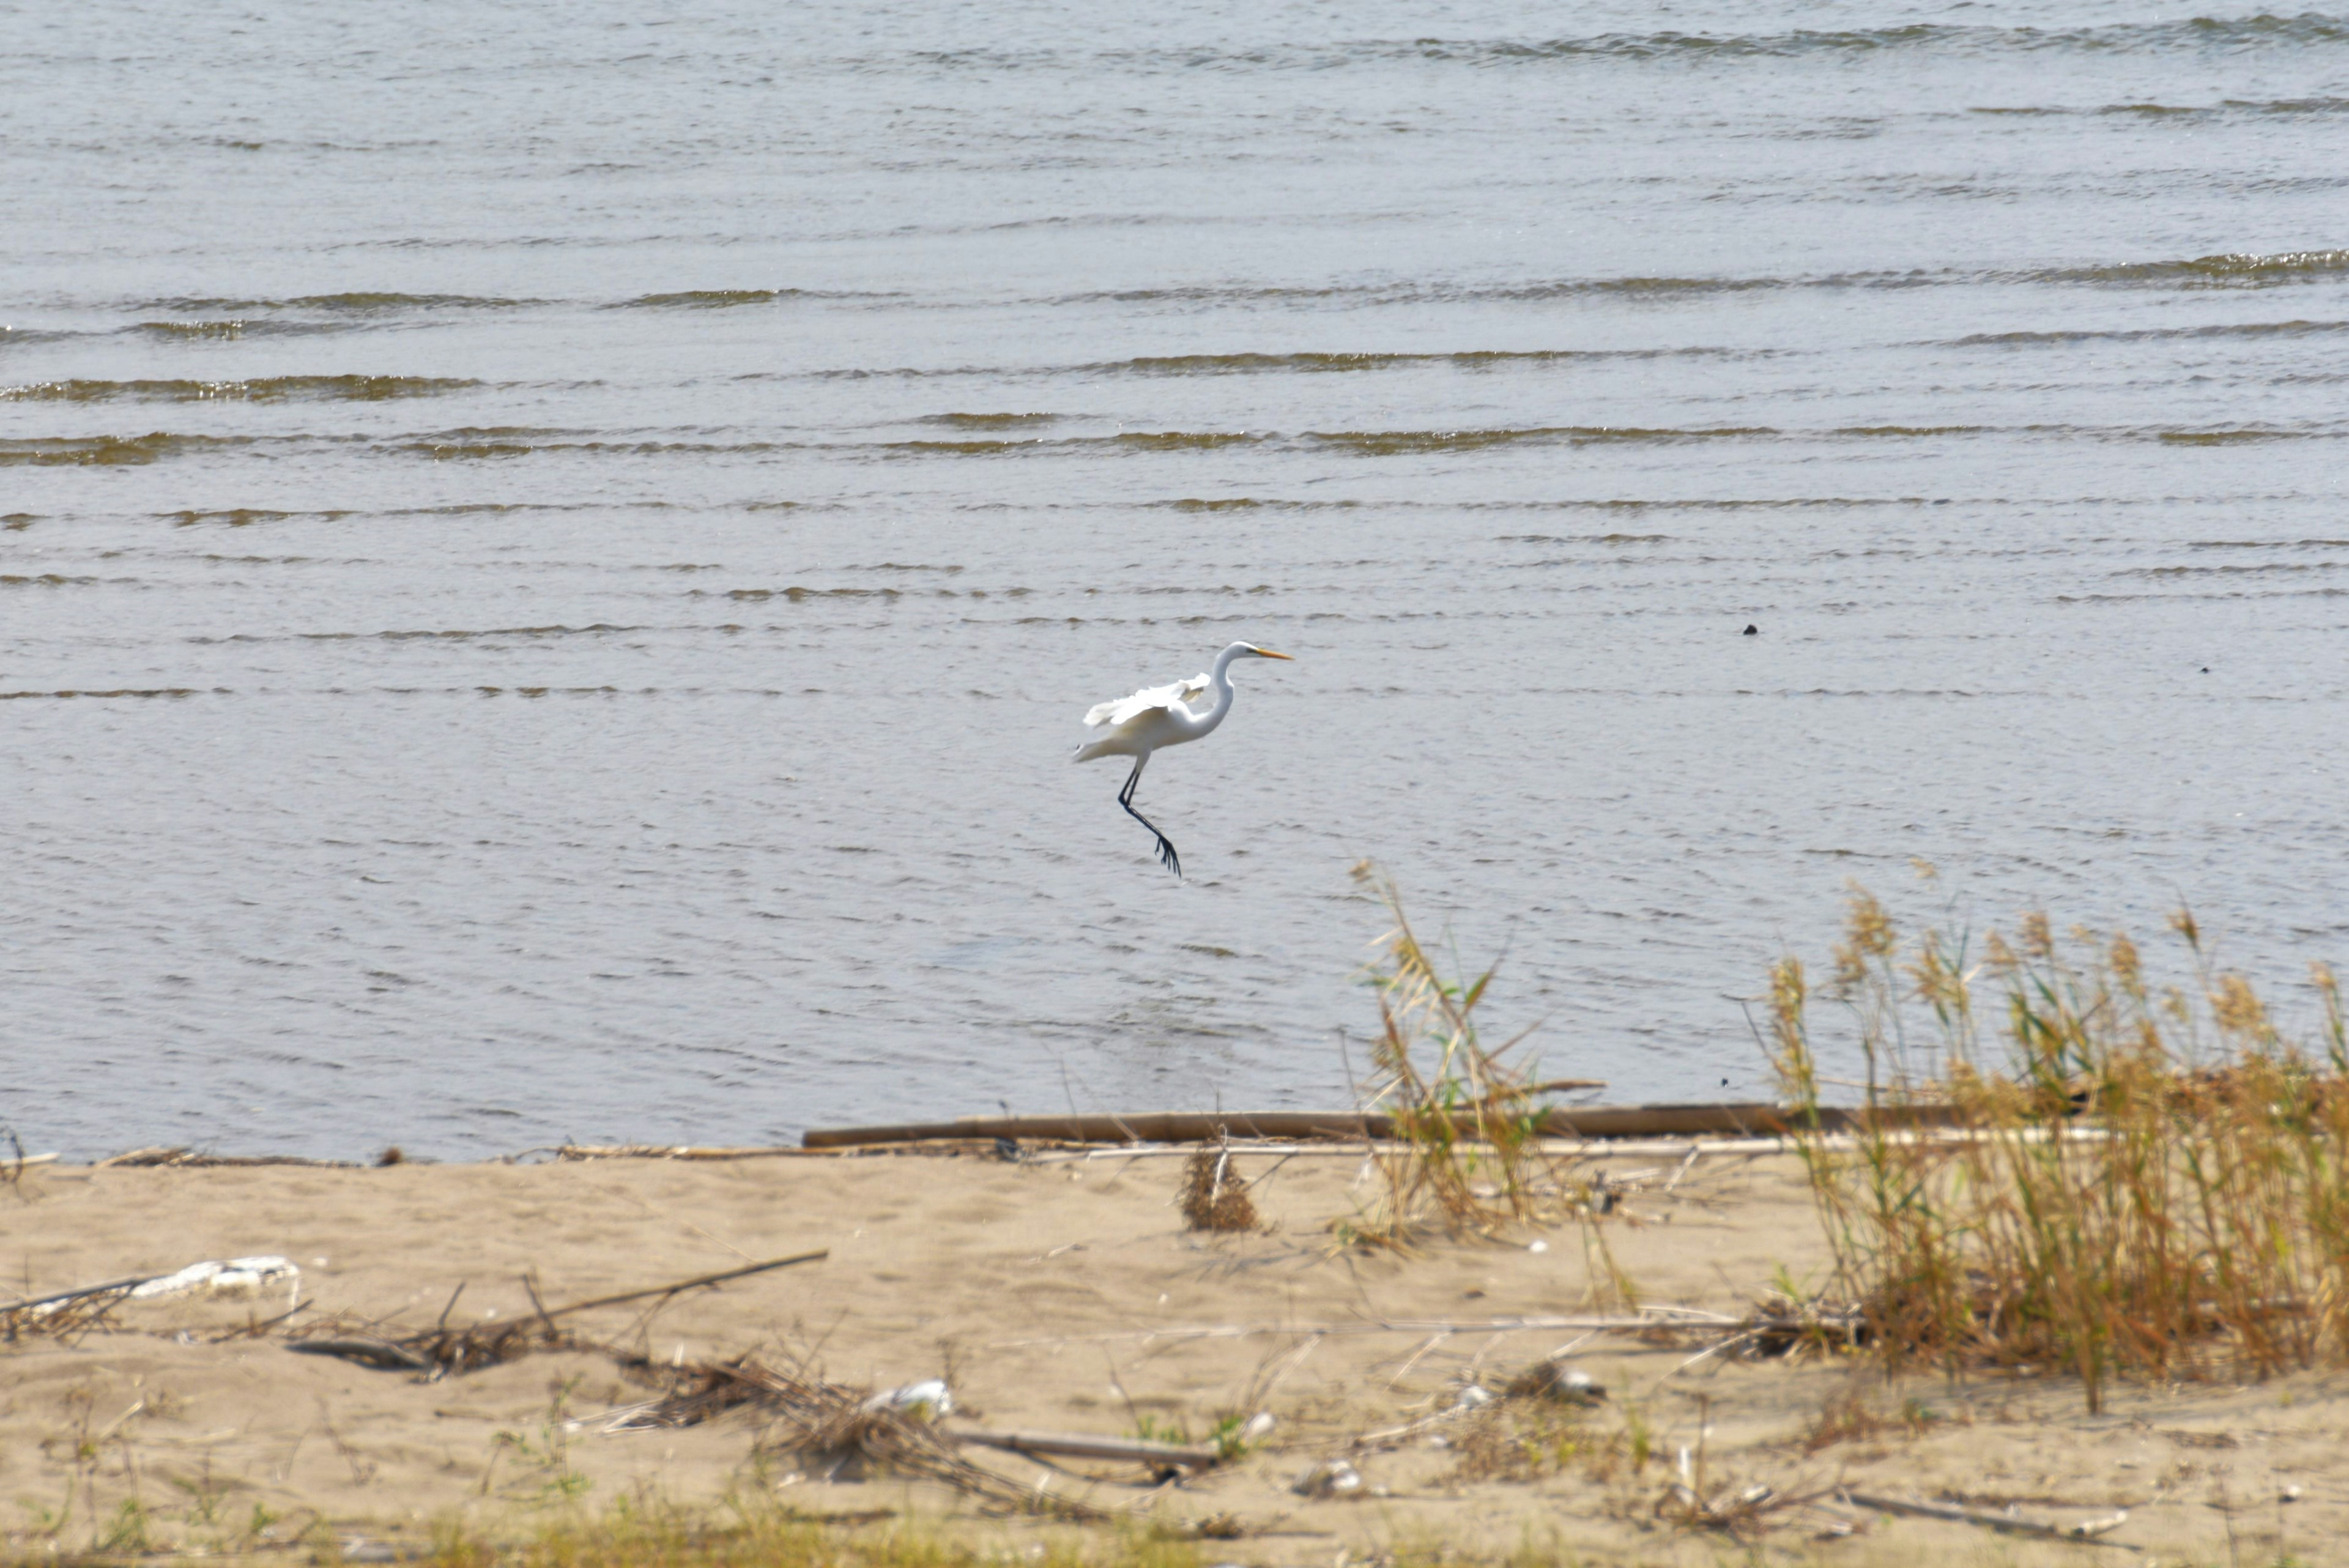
(1061,1293)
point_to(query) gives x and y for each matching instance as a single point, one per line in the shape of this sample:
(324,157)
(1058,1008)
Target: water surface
(554,553)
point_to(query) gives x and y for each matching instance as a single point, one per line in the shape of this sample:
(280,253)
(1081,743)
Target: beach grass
(2131,1179)
(1465,1118)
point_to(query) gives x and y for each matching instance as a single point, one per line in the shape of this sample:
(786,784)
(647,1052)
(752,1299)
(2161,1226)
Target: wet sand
(1061,1295)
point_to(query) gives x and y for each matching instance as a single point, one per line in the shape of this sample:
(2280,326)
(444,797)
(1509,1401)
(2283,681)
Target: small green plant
(128,1531)
(204,1494)
(1640,1435)
(1918,1416)
(551,1477)
(43,1520)
(1153,1428)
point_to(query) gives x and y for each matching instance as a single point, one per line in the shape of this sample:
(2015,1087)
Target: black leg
(1166,856)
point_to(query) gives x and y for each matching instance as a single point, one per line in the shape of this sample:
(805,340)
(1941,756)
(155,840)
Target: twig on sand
(367,1350)
(1438,1338)
(441,1350)
(59,1298)
(1743,1515)
(1077,1446)
(2013,1525)
(65,1312)
(1668,1319)
(695,1283)
(825,1421)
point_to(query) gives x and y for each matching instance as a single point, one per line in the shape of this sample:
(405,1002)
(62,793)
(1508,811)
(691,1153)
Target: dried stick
(128,1281)
(1077,1446)
(2090,1530)
(695,1283)
(1651,1320)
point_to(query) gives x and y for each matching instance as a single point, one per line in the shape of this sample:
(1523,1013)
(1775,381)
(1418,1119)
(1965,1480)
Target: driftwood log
(1208,1127)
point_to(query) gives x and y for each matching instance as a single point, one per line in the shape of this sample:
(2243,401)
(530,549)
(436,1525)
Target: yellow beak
(1267,653)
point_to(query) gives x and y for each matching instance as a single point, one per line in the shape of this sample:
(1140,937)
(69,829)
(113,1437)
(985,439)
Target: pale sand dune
(1033,1288)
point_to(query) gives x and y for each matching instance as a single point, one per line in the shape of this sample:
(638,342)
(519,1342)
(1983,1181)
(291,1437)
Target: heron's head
(1263,652)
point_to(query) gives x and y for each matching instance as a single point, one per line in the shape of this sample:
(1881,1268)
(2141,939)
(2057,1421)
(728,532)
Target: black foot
(1168,858)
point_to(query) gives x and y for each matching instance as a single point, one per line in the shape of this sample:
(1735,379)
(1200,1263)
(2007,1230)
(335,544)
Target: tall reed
(1464,1120)
(2131,1180)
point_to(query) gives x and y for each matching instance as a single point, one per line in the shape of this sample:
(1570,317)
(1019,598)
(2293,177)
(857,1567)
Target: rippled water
(555,553)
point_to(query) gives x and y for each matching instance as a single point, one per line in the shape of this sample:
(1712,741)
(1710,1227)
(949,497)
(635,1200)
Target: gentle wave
(358,302)
(260,389)
(2201,32)
(1126,441)
(2151,334)
(2268,544)
(2231,269)
(708,299)
(231,329)
(443,450)
(1383,443)
(797,595)
(2228,437)
(452,635)
(490,446)
(119,692)
(44,451)
(242,516)
(2182,112)
(1254,363)
(1583,539)
(2259,31)
(2265,568)
(2228,267)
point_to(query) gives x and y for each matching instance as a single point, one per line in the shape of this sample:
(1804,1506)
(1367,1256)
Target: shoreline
(1573,1131)
(1058,1294)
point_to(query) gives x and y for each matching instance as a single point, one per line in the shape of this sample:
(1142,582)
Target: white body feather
(1119,710)
(1159,716)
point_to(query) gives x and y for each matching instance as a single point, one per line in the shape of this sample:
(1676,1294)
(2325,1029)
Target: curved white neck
(1219,681)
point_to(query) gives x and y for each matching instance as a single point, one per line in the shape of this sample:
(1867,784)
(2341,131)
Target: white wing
(1177,695)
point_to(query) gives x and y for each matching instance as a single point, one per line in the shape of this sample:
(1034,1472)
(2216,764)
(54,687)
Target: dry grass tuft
(2140,1182)
(1213,1197)
(1848,1418)
(1521,1440)
(1469,1121)
(1467,1116)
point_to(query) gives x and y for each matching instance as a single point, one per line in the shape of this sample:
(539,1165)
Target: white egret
(1159,716)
